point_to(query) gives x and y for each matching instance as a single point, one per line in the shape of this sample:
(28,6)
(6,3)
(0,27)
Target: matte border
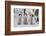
(8,14)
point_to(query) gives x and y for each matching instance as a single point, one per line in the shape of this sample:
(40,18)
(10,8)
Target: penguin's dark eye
(32,15)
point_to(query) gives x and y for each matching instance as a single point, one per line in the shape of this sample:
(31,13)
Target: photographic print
(24,18)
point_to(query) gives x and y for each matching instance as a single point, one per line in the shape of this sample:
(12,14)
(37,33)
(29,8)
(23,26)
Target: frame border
(8,14)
